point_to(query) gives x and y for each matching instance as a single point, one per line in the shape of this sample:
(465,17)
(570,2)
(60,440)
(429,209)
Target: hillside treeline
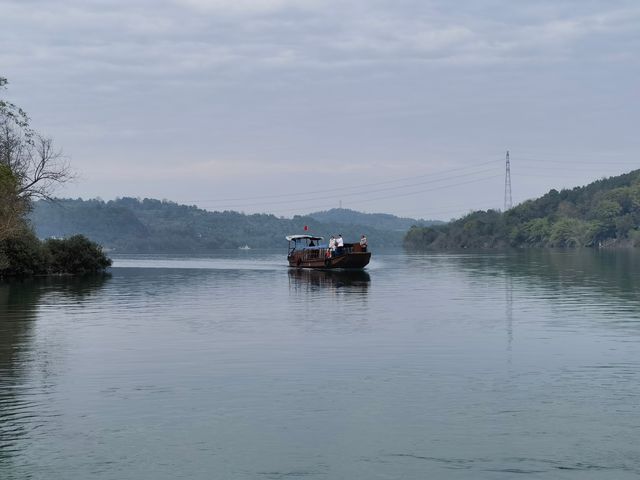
(605,212)
(379,221)
(131,225)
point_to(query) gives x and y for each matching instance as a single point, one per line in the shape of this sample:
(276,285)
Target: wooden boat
(306,251)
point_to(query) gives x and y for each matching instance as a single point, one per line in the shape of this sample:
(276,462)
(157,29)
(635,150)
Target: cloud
(271,84)
(178,38)
(248,7)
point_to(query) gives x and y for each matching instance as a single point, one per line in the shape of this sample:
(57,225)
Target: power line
(354,194)
(338,189)
(428,214)
(578,162)
(430,190)
(405,194)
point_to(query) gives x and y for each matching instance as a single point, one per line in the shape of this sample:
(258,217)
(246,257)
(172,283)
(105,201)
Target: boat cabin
(301,243)
(308,251)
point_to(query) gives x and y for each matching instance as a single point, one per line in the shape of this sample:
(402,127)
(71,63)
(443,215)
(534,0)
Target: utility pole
(508,201)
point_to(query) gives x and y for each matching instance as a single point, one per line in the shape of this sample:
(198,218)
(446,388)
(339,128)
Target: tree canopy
(153,226)
(602,213)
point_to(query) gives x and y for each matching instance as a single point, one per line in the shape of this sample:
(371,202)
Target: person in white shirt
(332,245)
(363,243)
(339,244)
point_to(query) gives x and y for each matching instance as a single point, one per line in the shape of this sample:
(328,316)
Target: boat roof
(302,237)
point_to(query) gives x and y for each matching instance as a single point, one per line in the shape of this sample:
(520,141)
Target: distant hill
(603,213)
(132,225)
(381,221)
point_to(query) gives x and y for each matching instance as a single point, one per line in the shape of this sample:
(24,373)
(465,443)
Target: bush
(76,255)
(22,255)
(25,255)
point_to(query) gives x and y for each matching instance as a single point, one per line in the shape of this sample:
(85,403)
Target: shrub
(76,255)
(22,255)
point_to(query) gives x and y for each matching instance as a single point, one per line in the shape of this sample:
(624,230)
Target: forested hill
(152,226)
(605,212)
(381,221)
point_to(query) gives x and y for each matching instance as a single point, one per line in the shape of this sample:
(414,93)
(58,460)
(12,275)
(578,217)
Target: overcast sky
(400,106)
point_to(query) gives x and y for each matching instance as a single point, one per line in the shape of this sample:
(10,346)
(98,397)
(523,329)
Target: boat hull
(353,260)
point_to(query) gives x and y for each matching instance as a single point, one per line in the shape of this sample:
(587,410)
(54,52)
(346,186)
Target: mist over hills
(131,225)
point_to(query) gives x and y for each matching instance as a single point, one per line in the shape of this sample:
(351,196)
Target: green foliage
(153,226)
(379,221)
(418,236)
(634,237)
(607,210)
(75,255)
(12,206)
(22,255)
(568,232)
(602,212)
(8,182)
(25,255)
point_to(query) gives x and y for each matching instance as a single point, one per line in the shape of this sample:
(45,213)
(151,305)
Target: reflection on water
(508,290)
(613,271)
(607,283)
(234,366)
(354,280)
(22,410)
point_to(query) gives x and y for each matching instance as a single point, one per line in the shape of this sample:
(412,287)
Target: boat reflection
(353,280)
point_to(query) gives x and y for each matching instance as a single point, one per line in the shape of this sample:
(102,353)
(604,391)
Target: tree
(12,206)
(30,168)
(34,162)
(12,113)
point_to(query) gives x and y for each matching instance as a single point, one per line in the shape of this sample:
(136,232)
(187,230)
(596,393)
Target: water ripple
(461,365)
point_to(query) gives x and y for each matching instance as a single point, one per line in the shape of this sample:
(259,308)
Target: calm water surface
(476,366)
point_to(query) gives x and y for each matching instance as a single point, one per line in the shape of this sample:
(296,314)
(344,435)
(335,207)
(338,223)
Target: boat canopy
(292,238)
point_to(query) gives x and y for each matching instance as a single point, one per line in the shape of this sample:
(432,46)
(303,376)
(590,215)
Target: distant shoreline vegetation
(30,167)
(601,214)
(132,225)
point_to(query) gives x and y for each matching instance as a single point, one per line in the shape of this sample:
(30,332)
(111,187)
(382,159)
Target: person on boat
(332,245)
(339,244)
(363,243)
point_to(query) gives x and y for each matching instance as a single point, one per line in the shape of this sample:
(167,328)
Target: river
(232,366)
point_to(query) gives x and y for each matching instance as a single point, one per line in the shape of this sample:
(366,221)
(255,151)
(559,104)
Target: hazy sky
(401,106)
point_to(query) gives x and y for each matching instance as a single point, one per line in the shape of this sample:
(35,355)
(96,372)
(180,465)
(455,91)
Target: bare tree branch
(30,166)
(46,168)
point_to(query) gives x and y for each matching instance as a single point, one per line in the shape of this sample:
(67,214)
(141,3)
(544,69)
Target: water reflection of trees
(606,280)
(19,306)
(615,272)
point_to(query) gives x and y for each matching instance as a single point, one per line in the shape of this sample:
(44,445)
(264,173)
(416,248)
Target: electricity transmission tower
(508,201)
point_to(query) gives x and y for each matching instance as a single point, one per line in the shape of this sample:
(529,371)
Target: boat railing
(312,252)
(348,248)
